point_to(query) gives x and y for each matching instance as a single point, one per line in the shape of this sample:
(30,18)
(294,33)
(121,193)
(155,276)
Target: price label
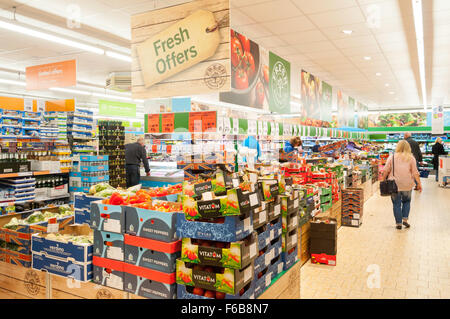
(277,210)
(52,226)
(114,253)
(355,222)
(356,215)
(247,224)
(267,240)
(252,250)
(253,199)
(28,105)
(220,125)
(113,281)
(272,235)
(235,182)
(294,239)
(268,279)
(112,225)
(294,221)
(207,196)
(235,126)
(268,257)
(40,106)
(25,174)
(263,216)
(280,267)
(260,128)
(248,274)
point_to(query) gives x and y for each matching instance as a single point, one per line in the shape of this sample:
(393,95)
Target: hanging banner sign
(113,108)
(181,50)
(45,76)
(437,120)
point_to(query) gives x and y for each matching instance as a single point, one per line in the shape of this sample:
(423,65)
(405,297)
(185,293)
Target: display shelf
(24,174)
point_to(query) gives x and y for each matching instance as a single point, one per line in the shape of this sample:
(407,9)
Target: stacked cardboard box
(352,206)
(87,171)
(323,247)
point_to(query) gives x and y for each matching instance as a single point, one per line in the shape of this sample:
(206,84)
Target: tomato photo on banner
(326,104)
(249,73)
(311,95)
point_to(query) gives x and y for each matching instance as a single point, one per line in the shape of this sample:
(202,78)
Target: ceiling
(306,32)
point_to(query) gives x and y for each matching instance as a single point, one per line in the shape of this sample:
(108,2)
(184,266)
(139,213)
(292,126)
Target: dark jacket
(134,154)
(315,148)
(415,149)
(437,149)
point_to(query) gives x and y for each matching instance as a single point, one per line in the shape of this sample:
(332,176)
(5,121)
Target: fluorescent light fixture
(347,32)
(367,58)
(118,56)
(49,37)
(392,92)
(378,74)
(13,82)
(71,91)
(418,25)
(387,85)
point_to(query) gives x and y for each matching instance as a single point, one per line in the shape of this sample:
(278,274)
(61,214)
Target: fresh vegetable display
(106,190)
(142,199)
(65,238)
(38,217)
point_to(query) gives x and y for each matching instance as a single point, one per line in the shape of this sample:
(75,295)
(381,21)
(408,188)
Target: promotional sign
(279,84)
(45,76)
(360,114)
(350,114)
(181,50)
(326,102)
(414,119)
(249,73)
(342,107)
(437,120)
(311,94)
(113,108)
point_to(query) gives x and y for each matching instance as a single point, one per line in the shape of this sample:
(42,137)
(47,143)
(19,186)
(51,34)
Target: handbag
(389,186)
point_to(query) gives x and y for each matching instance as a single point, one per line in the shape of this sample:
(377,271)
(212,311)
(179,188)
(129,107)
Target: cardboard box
(151,224)
(15,258)
(82,216)
(64,267)
(108,218)
(80,253)
(152,254)
(186,292)
(260,218)
(262,280)
(269,189)
(109,245)
(237,256)
(231,281)
(323,259)
(289,240)
(276,266)
(263,236)
(275,229)
(83,201)
(108,272)
(289,259)
(21,282)
(285,287)
(233,228)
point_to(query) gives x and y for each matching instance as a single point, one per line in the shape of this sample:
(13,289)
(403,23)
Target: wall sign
(44,76)
(437,120)
(181,50)
(113,108)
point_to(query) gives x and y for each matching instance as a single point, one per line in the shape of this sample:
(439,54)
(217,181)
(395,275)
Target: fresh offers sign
(279,84)
(181,50)
(44,76)
(113,108)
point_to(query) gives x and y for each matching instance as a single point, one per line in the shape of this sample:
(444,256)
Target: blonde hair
(439,140)
(403,150)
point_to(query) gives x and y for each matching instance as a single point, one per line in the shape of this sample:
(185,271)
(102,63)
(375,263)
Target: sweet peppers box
(77,252)
(227,280)
(108,218)
(108,245)
(108,272)
(235,255)
(227,229)
(151,224)
(152,254)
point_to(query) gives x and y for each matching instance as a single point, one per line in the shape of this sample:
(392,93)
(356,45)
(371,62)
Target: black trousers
(133,175)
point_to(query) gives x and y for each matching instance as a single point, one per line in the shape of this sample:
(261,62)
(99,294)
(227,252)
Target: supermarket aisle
(413,263)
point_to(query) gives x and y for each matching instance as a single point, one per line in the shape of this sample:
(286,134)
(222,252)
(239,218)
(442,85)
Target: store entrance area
(411,263)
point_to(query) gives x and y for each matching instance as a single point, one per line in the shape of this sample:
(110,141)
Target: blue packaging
(147,288)
(109,218)
(108,245)
(63,267)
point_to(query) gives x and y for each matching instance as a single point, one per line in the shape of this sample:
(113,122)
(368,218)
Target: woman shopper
(401,166)
(437,149)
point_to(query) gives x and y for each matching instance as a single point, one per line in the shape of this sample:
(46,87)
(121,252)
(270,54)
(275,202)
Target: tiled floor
(409,263)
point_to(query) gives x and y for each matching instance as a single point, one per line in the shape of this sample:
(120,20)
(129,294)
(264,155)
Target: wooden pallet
(22,283)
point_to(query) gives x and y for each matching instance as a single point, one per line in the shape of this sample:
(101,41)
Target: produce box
(15,258)
(260,217)
(83,201)
(235,255)
(95,179)
(263,236)
(323,259)
(274,209)
(289,240)
(346,221)
(290,257)
(64,267)
(77,252)
(326,198)
(235,202)
(108,272)
(149,283)
(189,292)
(151,224)
(275,229)
(262,280)
(326,206)
(269,189)
(82,216)
(227,229)
(226,280)
(267,254)
(290,221)
(109,245)
(287,285)
(108,218)
(152,254)
(99,168)
(276,266)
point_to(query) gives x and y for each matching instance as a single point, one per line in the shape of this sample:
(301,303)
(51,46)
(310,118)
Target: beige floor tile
(413,263)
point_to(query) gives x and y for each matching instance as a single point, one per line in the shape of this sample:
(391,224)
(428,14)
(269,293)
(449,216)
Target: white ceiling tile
(297,24)
(304,37)
(315,47)
(245,3)
(285,50)
(359,29)
(273,10)
(271,42)
(354,42)
(338,17)
(309,7)
(381,10)
(254,31)
(366,50)
(237,18)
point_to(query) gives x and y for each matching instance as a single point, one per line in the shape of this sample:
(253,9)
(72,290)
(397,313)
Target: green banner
(126,124)
(113,108)
(350,115)
(243,126)
(326,103)
(279,84)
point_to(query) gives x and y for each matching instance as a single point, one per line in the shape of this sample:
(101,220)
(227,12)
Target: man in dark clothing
(134,154)
(415,150)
